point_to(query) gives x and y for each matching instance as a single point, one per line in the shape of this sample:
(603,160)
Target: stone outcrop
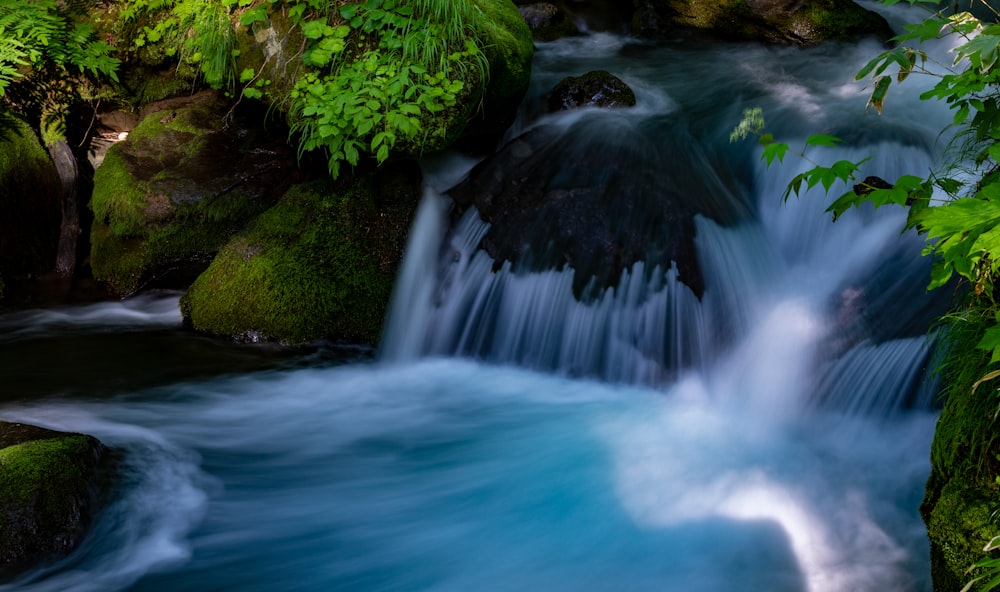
(183,182)
(49,492)
(798,22)
(547,21)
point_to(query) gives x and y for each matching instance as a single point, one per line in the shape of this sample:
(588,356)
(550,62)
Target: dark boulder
(600,196)
(547,21)
(597,88)
(49,490)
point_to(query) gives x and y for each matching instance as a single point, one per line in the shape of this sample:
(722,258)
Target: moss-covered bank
(320,263)
(962,502)
(49,485)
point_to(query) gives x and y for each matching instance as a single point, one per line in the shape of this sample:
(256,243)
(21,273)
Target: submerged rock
(598,88)
(49,489)
(187,178)
(319,264)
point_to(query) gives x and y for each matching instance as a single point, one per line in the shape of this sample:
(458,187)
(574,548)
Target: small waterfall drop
(787,295)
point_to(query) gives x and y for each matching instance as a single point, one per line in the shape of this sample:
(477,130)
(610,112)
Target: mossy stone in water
(49,483)
(319,264)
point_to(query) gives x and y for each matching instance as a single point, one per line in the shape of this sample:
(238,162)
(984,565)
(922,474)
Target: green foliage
(47,60)
(203,31)
(39,33)
(372,75)
(961,221)
(379,70)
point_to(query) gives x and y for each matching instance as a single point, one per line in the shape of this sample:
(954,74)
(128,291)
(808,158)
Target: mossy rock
(959,524)
(319,264)
(962,497)
(509,48)
(186,180)
(49,487)
(800,23)
(30,211)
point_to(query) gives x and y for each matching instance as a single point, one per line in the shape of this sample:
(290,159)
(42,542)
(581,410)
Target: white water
(772,436)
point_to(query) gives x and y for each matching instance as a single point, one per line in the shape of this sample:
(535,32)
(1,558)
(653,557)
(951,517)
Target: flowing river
(772,435)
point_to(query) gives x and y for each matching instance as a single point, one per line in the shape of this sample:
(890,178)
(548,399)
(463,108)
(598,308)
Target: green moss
(318,264)
(46,487)
(171,195)
(962,495)
(42,465)
(120,262)
(119,199)
(508,46)
(959,526)
(838,21)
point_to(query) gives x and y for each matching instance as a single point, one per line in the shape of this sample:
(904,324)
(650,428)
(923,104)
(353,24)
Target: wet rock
(591,198)
(49,491)
(597,88)
(871,184)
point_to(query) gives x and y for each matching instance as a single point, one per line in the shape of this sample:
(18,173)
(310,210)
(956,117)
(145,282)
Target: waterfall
(789,297)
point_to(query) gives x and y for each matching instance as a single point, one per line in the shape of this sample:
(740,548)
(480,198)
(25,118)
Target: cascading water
(772,434)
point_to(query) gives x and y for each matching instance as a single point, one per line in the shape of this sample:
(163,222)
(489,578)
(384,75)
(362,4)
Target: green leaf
(774,150)
(843,203)
(254,15)
(822,140)
(314,29)
(877,99)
